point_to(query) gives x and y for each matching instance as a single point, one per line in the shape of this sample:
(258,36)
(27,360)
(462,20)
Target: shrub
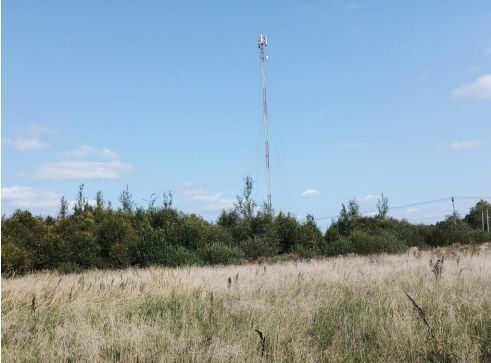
(304,251)
(258,246)
(192,232)
(15,259)
(115,234)
(153,248)
(51,251)
(412,235)
(219,254)
(309,238)
(364,243)
(23,229)
(83,249)
(180,256)
(341,246)
(102,237)
(215,233)
(475,216)
(455,230)
(149,247)
(287,230)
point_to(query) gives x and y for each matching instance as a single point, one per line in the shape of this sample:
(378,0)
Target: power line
(422,203)
(429,217)
(439,200)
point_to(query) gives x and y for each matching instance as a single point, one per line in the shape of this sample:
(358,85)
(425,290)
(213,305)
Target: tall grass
(343,309)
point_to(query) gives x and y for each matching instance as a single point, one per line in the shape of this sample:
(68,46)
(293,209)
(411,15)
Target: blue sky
(364,98)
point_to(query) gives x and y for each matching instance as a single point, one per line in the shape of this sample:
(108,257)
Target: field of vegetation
(98,235)
(418,306)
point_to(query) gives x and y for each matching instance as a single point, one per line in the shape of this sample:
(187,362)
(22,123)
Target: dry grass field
(345,309)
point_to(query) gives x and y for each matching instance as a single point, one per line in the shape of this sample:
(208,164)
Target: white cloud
(32,139)
(82,170)
(311,193)
(28,198)
(464,145)
(19,197)
(26,144)
(85,151)
(206,201)
(83,163)
(38,130)
(479,89)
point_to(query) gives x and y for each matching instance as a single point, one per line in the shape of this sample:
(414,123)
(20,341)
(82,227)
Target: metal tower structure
(262,43)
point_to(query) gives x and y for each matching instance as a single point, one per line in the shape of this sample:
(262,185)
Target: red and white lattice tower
(262,43)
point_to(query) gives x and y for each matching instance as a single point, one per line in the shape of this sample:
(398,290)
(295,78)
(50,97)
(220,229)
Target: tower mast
(262,44)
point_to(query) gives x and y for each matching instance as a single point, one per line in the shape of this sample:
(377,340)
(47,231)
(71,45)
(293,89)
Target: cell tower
(262,43)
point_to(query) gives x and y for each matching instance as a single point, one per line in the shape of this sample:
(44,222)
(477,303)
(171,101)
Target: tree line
(101,236)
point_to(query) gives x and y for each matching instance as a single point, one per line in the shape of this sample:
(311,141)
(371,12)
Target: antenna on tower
(262,44)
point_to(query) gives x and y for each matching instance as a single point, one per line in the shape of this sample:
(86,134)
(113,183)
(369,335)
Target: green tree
(167,198)
(115,234)
(310,235)
(78,234)
(477,214)
(348,217)
(228,218)
(287,230)
(82,203)
(24,230)
(15,259)
(99,200)
(63,210)
(245,205)
(382,207)
(126,200)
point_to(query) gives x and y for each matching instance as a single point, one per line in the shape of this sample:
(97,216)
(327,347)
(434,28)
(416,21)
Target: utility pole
(453,211)
(262,43)
(482,218)
(487,218)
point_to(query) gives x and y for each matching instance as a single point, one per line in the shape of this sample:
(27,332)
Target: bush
(180,256)
(364,243)
(192,232)
(287,230)
(83,249)
(305,252)
(455,230)
(258,246)
(412,235)
(149,247)
(79,237)
(51,251)
(24,230)
(103,237)
(309,238)
(342,246)
(219,254)
(115,234)
(153,248)
(15,259)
